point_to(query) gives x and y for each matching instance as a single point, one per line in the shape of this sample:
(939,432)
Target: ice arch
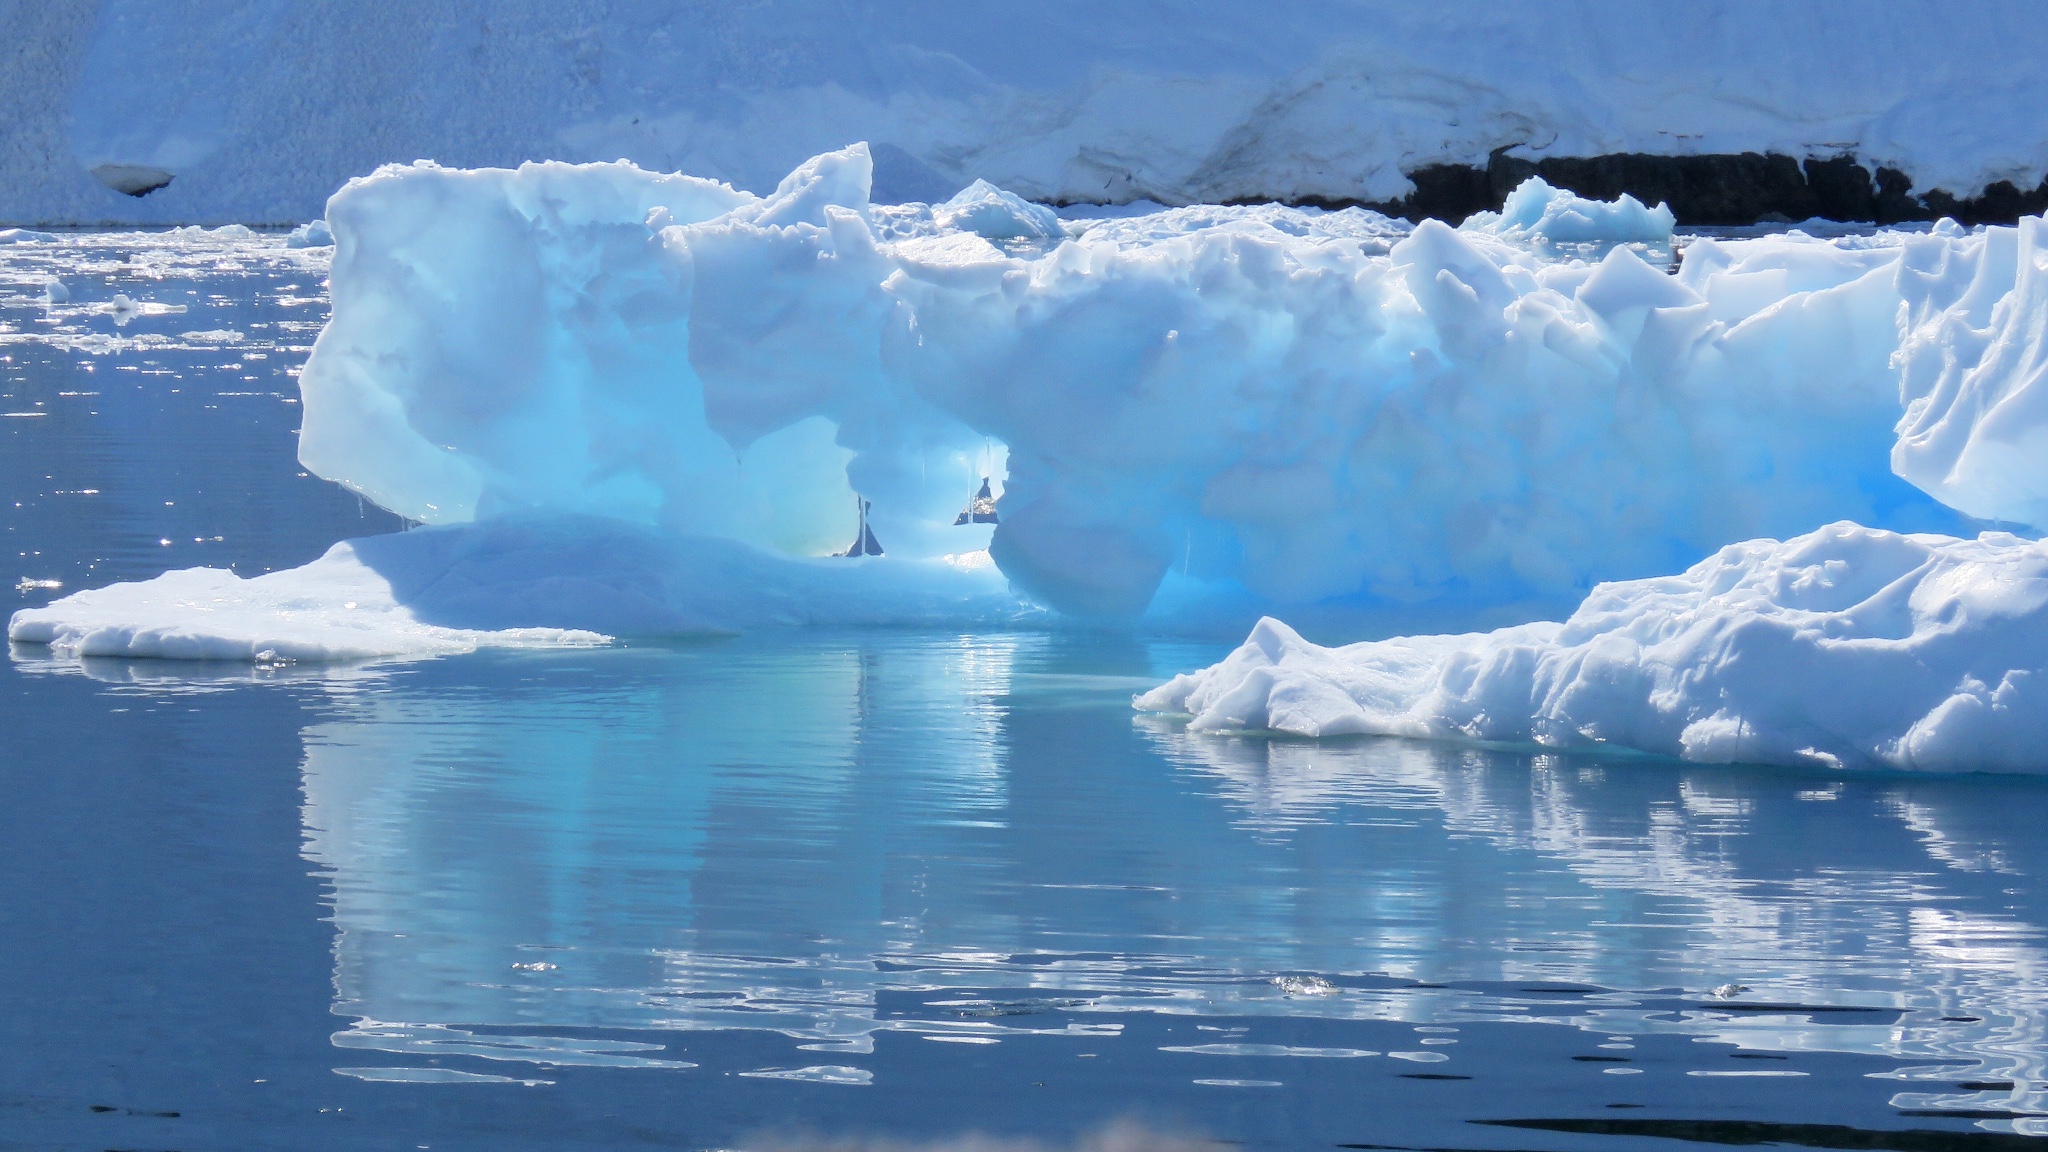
(1261,404)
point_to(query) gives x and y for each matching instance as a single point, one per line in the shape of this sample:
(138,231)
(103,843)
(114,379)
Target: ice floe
(512,582)
(1843,648)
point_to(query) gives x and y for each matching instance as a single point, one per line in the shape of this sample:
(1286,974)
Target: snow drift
(255,110)
(1846,647)
(1278,407)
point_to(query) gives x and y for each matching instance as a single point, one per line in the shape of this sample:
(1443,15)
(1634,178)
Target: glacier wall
(1202,410)
(258,109)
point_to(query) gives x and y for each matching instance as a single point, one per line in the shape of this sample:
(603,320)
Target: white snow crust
(1275,407)
(1843,648)
(259,108)
(507,583)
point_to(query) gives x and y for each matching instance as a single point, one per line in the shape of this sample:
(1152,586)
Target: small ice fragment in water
(30,584)
(54,292)
(1305,985)
(312,234)
(530,966)
(1728,991)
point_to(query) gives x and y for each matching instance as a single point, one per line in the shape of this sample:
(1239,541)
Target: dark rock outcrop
(1725,189)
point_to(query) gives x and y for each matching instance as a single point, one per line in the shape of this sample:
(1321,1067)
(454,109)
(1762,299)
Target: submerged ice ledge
(1843,648)
(515,582)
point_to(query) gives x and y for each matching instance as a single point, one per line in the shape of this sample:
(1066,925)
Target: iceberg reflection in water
(970,838)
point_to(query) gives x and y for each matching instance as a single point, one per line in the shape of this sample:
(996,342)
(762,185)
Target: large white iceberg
(1846,647)
(1277,407)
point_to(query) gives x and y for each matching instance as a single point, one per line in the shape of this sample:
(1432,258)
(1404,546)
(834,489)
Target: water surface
(884,884)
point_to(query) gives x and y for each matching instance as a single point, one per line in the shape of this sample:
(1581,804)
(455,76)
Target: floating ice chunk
(1845,648)
(1281,407)
(311,234)
(1974,370)
(1537,211)
(54,292)
(993,214)
(510,582)
(224,232)
(25,236)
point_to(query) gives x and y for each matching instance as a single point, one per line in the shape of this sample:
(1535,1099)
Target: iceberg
(311,234)
(1843,648)
(1276,407)
(1537,211)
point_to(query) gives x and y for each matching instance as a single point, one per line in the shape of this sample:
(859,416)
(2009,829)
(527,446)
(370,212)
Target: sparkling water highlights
(804,887)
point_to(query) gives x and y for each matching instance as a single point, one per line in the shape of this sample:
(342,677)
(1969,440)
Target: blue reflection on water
(889,882)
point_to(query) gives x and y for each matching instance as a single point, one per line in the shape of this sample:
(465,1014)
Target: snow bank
(1283,407)
(507,583)
(257,109)
(1845,647)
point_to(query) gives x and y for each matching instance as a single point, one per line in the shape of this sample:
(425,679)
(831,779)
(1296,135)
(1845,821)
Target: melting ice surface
(637,404)
(905,883)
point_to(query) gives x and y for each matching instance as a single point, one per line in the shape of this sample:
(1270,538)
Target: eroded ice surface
(1279,407)
(1974,364)
(1846,647)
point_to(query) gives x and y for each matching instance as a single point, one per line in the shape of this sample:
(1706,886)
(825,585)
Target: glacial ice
(311,234)
(1973,363)
(632,404)
(1278,407)
(1843,648)
(512,582)
(262,109)
(1536,211)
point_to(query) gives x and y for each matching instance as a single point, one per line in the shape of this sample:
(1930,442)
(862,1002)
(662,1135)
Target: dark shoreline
(1721,189)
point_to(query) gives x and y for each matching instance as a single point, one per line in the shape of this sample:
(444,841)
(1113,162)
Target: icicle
(981,509)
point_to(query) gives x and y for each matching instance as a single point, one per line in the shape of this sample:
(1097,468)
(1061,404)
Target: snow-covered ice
(255,110)
(514,582)
(1278,407)
(1843,648)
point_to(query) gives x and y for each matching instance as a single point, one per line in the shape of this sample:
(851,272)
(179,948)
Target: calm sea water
(887,886)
